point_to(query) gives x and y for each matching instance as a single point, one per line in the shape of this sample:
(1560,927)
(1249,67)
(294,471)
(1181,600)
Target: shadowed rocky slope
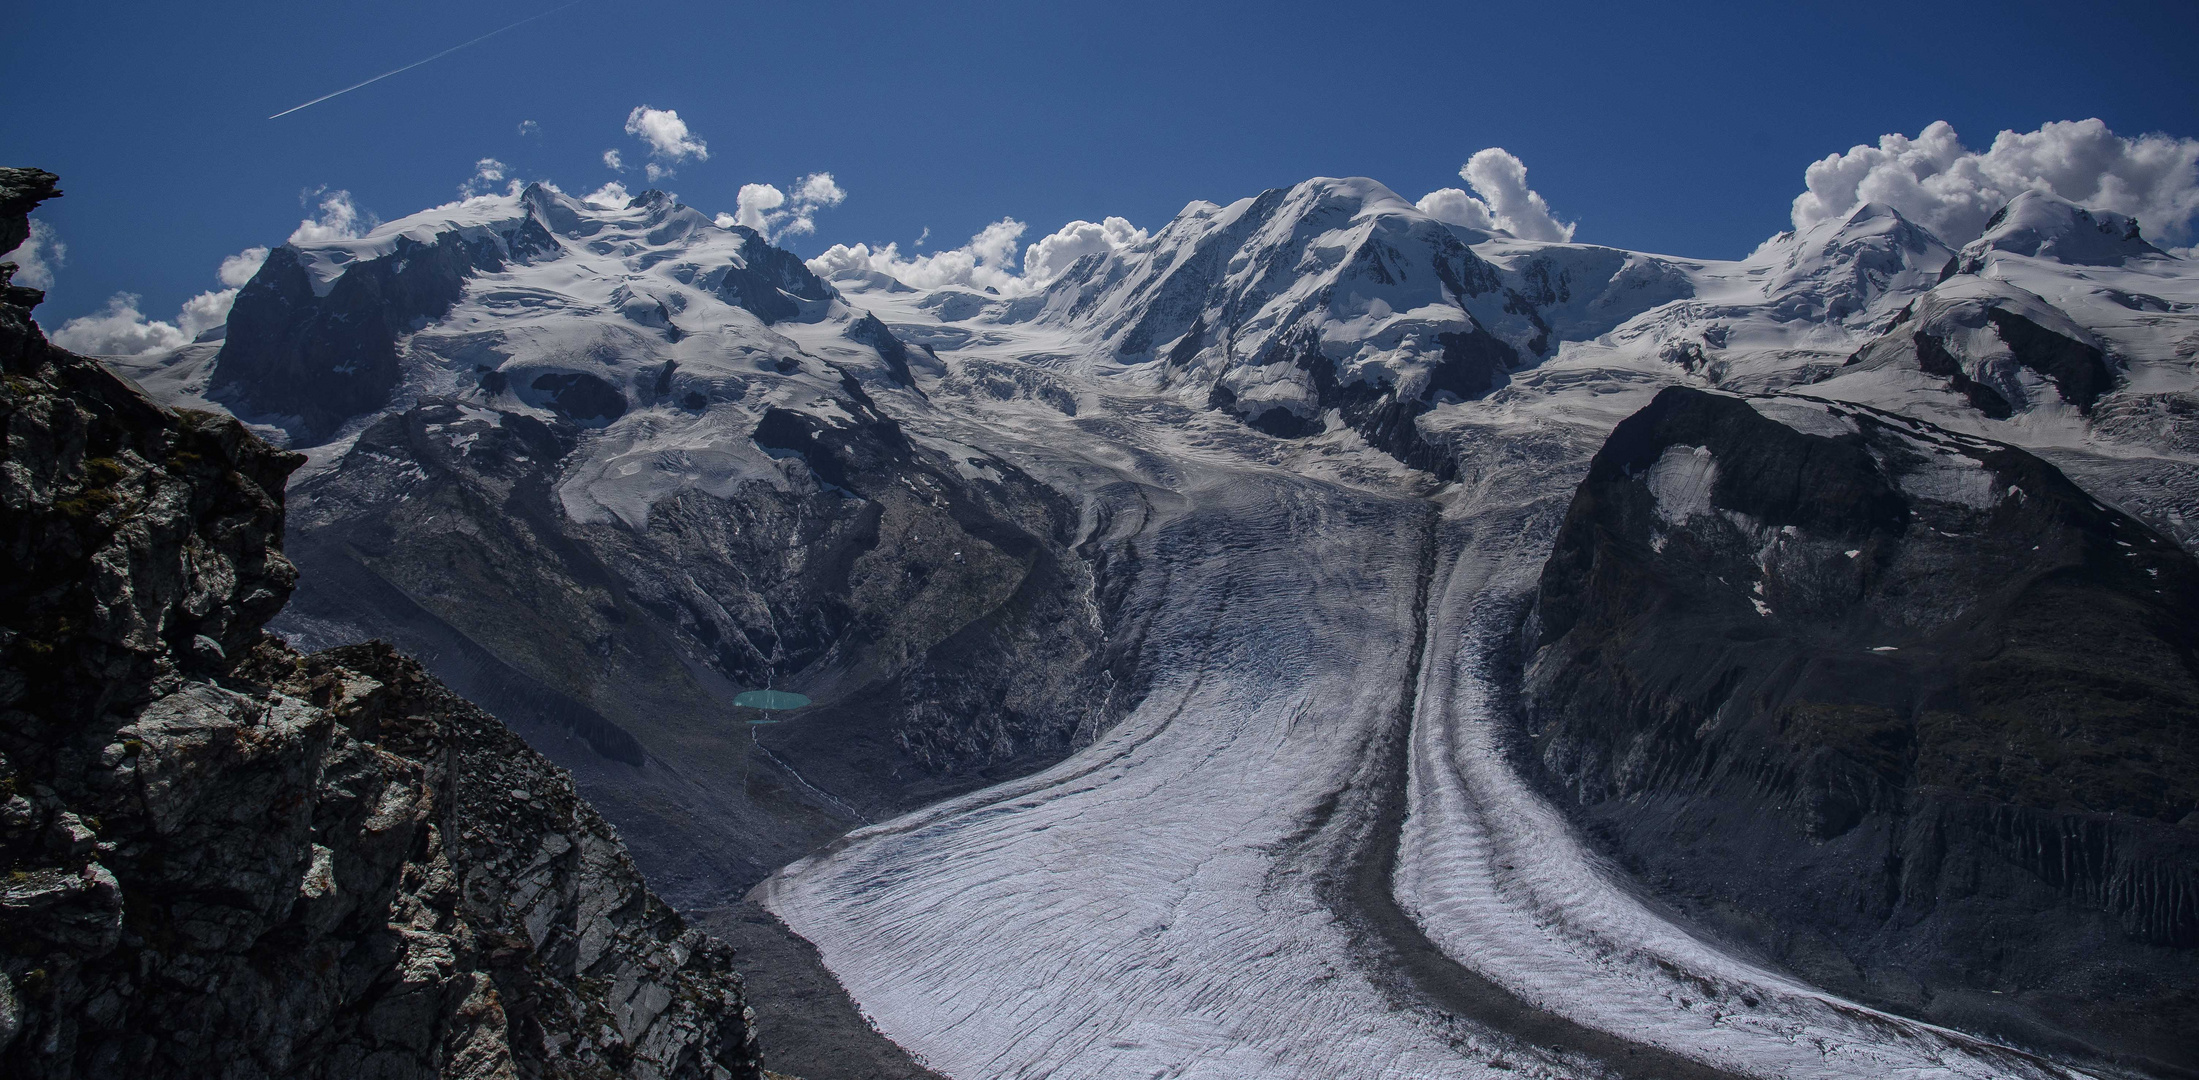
(1906,710)
(224,859)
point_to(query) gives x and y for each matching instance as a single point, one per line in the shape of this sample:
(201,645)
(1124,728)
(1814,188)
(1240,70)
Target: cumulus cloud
(487,173)
(38,256)
(119,330)
(613,162)
(339,219)
(529,127)
(777,214)
(210,309)
(754,203)
(238,269)
(1051,255)
(611,196)
(1454,206)
(204,312)
(668,138)
(987,261)
(1952,190)
(1505,201)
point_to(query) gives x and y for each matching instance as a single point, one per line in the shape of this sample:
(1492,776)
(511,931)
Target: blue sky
(1683,131)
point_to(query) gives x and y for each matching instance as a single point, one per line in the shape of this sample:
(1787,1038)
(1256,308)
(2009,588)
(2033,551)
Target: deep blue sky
(1684,133)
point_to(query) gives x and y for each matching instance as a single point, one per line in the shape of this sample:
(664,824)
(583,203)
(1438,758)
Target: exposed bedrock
(943,614)
(1906,710)
(220,858)
(319,359)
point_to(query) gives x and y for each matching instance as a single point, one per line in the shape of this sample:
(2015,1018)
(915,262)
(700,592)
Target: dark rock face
(582,398)
(325,359)
(224,859)
(1905,710)
(321,360)
(774,283)
(20,190)
(942,613)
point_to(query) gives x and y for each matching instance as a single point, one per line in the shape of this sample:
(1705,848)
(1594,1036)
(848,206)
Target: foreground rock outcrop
(1906,710)
(220,858)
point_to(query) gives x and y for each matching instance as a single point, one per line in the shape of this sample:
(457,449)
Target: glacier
(1334,437)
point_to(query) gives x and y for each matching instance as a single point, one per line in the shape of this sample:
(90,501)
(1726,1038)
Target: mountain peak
(1842,268)
(2043,225)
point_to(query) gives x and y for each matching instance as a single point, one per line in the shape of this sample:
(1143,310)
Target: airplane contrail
(417,63)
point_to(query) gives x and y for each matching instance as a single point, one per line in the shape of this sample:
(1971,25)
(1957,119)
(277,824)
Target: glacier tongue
(1134,911)
(1162,903)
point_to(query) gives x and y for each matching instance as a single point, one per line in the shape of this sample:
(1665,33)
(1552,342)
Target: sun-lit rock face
(225,859)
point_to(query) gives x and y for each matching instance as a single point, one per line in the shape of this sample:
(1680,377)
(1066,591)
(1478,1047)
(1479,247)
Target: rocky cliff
(225,859)
(1904,709)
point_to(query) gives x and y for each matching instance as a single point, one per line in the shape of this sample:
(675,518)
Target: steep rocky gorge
(1904,709)
(226,859)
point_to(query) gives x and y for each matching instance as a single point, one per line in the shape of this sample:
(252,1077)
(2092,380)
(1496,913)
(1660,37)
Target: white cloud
(777,214)
(210,309)
(1952,190)
(529,127)
(38,256)
(755,203)
(666,134)
(204,312)
(339,219)
(987,261)
(1453,205)
(923,236)
(819,189)
(613,162)
(239,268)
(1050,256)
(119,330)
(122,330)
(1505,202)
(487,173)
(656,172)
(611,196)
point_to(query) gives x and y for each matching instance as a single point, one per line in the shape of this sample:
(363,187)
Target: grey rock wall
(220,858)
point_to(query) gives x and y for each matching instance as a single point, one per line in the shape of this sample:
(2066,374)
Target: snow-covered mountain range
(1158,614)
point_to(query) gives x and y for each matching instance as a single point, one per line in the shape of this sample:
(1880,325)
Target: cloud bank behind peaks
(121,329)
(988,261)
(1952,190)
(1505,201)
(1052,255)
